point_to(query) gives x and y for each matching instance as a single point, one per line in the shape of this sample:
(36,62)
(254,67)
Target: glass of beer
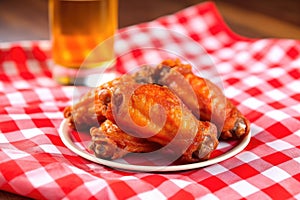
(78,27)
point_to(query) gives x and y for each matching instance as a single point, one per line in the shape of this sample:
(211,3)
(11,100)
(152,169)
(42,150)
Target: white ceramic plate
(64,132)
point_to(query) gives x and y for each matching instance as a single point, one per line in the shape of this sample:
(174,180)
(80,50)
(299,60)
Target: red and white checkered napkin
(260,76)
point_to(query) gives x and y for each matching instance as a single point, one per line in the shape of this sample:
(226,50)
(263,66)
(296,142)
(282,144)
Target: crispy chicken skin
(210,102)
(110,142)
(89,110)
(81,116)
(102,99)
(154,112)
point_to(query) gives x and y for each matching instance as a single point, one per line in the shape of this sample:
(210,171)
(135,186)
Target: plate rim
(66,139)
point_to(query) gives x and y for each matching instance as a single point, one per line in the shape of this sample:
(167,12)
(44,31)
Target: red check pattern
(261,76)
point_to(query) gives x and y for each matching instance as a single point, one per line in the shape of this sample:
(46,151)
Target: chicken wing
(110,142)
(154,112)
(81,116)
(210,103)
(89,110)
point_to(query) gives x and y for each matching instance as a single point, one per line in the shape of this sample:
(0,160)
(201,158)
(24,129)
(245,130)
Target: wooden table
(256,18)
(251,18)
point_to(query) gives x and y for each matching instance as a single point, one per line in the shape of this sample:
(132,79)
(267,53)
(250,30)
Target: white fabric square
(297,196)
(16,98)
(258,67)
(255,129)
(152,57)
(44,94)
(174,49)
(252,103)
(121,46)
(157,32)
(189,47)
(296,108)
(244,188)
(152,194)
(225,53)
(259,45)
(2,87)
(30,133)
(95,186)
(252,81)
(130,64)
(216,169)
(224,68)
(209,19)
(223,145)
(171,19)
(21,84)
(242,57)
(39,177)
(178,28)
(224,37)
(211,43)
(297,133)
(141,39)
(295,63)
(277,115)
(77,170)
(198,24)
(45,45)
(247,156)
(297,159)
(54,115)
(69,91)
(45,82)
(280,145)
(231,92)
(180,183)
(48,148)
(26,44)
(6,45)
(3,139)
(10,68)
(126,178)
(240,46)
(19,116)
(275,72)
(295,86)
(276,94)
(33,66)
(276,174)
(15,154)
(275,54)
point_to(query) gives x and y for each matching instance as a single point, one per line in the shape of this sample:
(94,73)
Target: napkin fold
(260,76)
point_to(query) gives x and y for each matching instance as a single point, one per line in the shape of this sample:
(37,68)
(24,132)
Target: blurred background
(28,19)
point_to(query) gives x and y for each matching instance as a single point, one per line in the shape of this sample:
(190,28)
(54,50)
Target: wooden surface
(255,18)
(28,20)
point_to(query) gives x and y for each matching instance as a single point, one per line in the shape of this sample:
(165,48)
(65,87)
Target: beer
(78,26)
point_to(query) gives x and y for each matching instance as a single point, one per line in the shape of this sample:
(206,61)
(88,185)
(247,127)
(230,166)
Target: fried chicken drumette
(210,103)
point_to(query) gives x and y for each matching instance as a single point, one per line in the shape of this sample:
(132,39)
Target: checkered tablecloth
(260,76)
